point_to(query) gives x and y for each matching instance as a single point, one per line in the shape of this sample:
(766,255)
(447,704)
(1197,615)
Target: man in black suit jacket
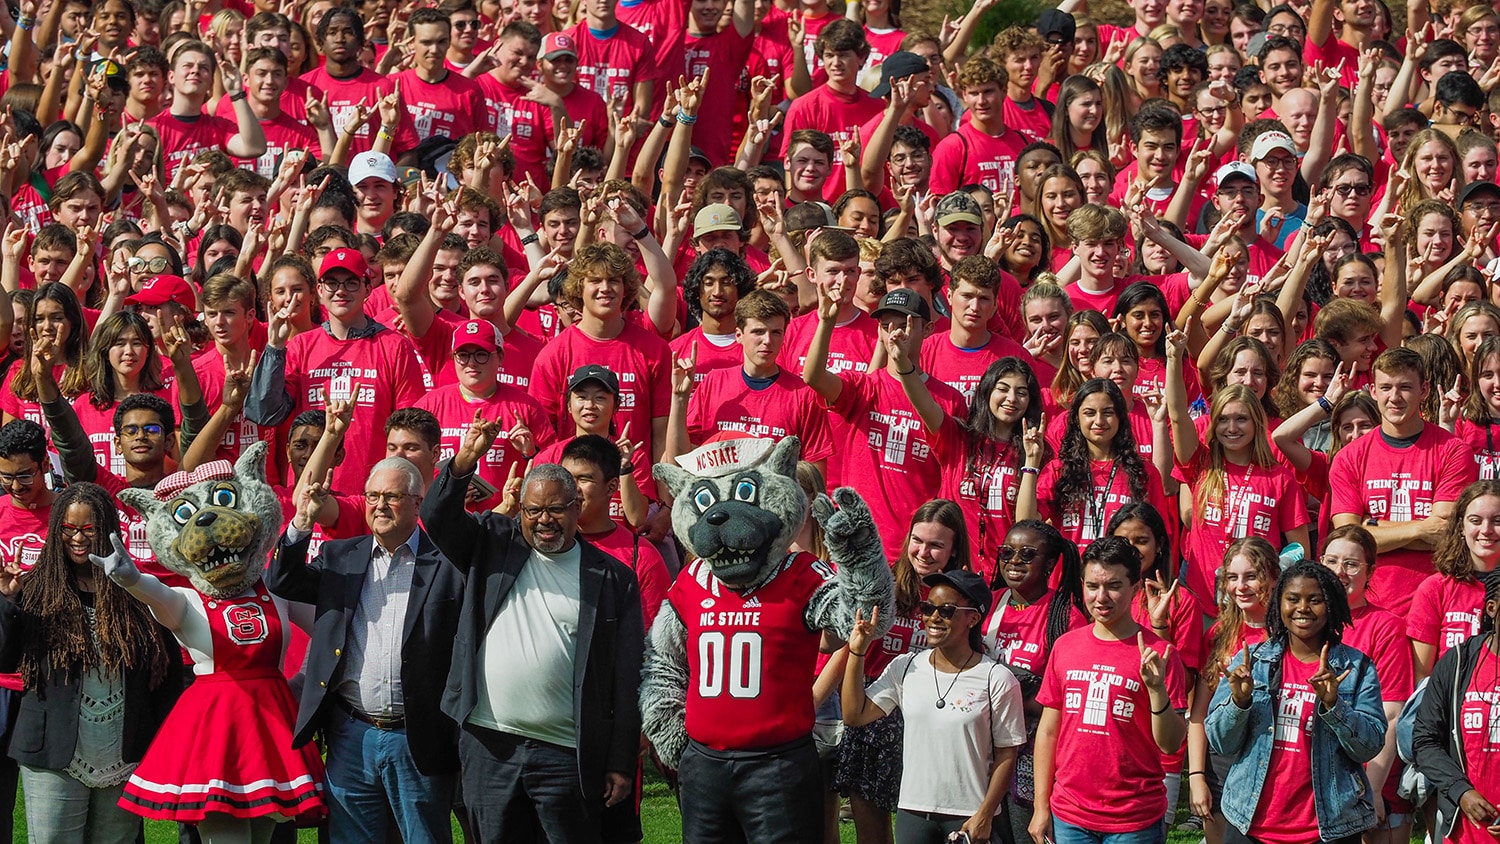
(547,659)
(387,610)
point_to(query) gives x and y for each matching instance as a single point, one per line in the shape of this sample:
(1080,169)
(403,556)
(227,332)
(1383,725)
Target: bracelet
(1232,332)
(26,24)
(237,96)
(853,652)
(642,234)
(907,372)
(1031,470)
(385,134)
(686,120)
(1196,774)
(1162,710)
(530,239)
(1327,407)
(665,120)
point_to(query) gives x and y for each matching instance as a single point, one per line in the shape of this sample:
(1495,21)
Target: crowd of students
(1166,356)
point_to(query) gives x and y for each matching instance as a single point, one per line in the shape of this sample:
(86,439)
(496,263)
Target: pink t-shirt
(1380,636)
(527,123)
(283,135)
(838,115)
(906,634)
(1486,445)
(588,108)
(723,402)
(882,44)
(182,138)
(1445,612)
(612,66)
(22,534)
(1107,767)
(451,108)
(343,97)
(642,558)
(970,156)
(1089,300)
(99,424)
(379,374)
(1082,523)
(711,355)
(961,369)
(985,491)
(849,350)
(642,362)
(455,414)
(1019,634)
(209,367)
(722,55)
(1285,812)
(1030,120)
(1478,720)
(889,457)
(1372,479)
(1263,501)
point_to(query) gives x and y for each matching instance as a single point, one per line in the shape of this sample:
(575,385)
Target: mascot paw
(850,523)
(118,566)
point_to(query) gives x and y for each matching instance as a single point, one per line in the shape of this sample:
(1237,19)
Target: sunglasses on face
(155,266)
(947,611)
(473,24)
(1006,553)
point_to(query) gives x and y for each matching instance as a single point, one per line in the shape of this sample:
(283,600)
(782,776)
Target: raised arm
(913,379)
(1393,283)
(1288,435)
(1184,436)
(250,140)
(815,369)
(684,375)
(168,606)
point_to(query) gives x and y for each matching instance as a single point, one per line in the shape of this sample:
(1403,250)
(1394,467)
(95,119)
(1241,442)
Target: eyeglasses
(1347,191)
(479,358)
(68,530)
(137,430)
(473,24)
(945,610)
(1246,193)
(391,498)
(1347,566)
(1216,111)
(556,511)
(1461,117)
(348,285)
(1006,553)
(19,479)
(1285,162)
(1287,30)
(155,266)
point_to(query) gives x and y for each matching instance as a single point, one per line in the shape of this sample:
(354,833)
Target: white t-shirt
(526,684)
(947,752)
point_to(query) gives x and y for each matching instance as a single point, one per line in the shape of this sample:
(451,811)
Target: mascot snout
(734,538)
(215,540)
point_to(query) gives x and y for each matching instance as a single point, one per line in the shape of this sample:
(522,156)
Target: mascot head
(738,505)
(214,525)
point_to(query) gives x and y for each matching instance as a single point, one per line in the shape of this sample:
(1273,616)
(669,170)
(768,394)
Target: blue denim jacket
(1343,739)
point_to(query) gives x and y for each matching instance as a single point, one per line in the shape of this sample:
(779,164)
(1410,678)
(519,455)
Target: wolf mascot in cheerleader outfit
(726,696)
(224,759)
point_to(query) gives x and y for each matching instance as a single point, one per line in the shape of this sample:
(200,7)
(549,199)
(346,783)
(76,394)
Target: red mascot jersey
(751,658)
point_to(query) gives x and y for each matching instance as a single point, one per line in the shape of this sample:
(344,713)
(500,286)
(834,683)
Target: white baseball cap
(1232,169)
(368,164)
(1269,141)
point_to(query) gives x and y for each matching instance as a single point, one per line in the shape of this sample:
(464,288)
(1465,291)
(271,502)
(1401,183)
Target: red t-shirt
(1031,120)
(1088,300)
(882,44)
(100,427)
(209,367)
(1380,636)
(1107,767)
(1083,523)
(23,532)
(451,108)
(836,114)
(1263,501)
(612,66)
(1372,479)
(182,138)
(1479,723)
(455,414)
(723,402)
(970,156)
(379,374)
(1137,417)
(586,107)
(986,491)
(889,456)
(961,369)
(283,135)
(639,358)
(642,558)
(1018,635)
(711,355)
(662,24)
(1482,439)
(849,350)
(1286,812)
(722,55)
(1445,612)
(750,656)
(345,94)
(529,125)
(293,100)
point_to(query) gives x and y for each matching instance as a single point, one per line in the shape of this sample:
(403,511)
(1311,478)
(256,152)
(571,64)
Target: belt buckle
(386,723)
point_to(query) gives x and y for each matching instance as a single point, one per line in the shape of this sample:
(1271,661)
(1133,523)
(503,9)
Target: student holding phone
(1456,724)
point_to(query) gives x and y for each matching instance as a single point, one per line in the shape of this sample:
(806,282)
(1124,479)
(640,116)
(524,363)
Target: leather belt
(374,721)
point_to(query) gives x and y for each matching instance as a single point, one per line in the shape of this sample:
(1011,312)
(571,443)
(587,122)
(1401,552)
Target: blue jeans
(62,810)
(1066,833)
(372,779)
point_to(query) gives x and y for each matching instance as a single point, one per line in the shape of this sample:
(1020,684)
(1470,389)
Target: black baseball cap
(1476,187)
(1056,27)
(594,372)
(968,584)
(903,301)
(898,65)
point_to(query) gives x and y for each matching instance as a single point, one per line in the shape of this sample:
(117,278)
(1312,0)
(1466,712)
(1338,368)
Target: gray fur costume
(741,523)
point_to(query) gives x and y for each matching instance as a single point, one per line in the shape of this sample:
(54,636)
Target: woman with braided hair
(91,657)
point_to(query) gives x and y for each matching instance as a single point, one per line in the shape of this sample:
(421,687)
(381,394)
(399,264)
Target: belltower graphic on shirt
(1294,716)
(1399,498)
(1102,695)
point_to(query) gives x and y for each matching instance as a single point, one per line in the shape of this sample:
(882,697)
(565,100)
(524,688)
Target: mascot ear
(252,462)
(783,458)
(142,501)
(674,478)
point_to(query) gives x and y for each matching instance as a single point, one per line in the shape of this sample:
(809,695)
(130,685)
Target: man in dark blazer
(387,610)
(547,658)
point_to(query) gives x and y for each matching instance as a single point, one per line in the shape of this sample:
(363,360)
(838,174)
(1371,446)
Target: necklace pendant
(941,703)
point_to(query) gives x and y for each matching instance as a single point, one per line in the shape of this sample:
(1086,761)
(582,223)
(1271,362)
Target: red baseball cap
(163,289)
(352,260)
(478,332)
(556,44)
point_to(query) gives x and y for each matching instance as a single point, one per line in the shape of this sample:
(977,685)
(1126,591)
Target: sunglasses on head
(947,611)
